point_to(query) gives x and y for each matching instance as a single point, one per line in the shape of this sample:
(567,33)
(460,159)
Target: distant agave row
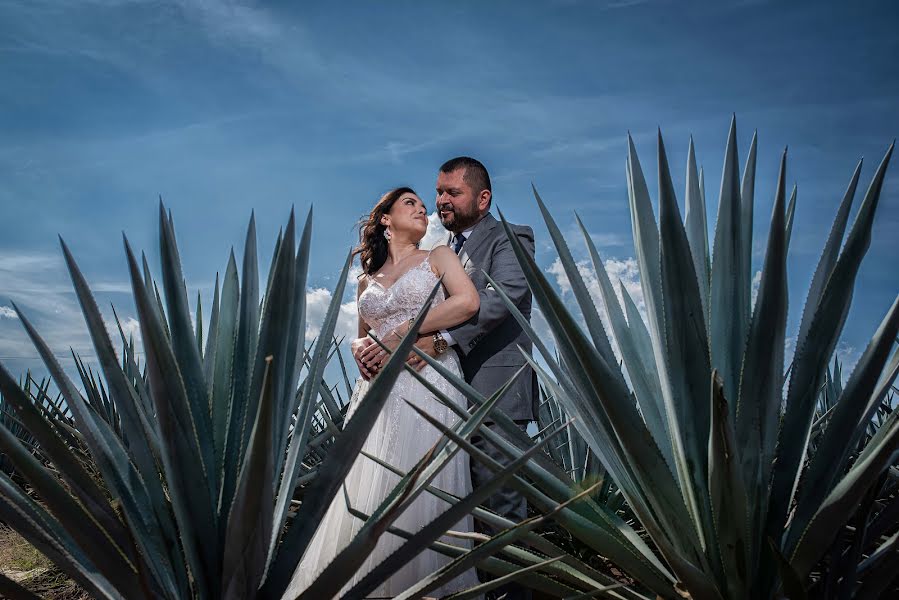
(708,443)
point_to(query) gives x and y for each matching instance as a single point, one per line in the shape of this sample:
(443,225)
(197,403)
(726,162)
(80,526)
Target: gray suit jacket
(487,343)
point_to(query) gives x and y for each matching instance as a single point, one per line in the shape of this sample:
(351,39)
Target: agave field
(678,455)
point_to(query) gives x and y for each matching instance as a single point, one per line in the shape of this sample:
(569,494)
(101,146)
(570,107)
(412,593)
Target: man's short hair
(475,173)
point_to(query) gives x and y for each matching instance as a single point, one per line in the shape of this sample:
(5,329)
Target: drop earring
(387,234)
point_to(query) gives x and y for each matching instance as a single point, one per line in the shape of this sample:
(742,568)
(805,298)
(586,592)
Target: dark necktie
(460,239)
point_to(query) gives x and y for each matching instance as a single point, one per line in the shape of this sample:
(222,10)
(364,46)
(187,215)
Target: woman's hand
(358,347)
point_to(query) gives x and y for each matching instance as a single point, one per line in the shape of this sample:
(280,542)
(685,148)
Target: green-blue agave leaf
(697,229)
(69,467)
(687,355)
(728,496)
(792,581)
(138,426)
(478,590)
(275,339)
(614,411)
(646,236)
(209,352)
(880,574)
(729,316)
(45,533)
(761,382)
(286,403)
(441,523)
(829,255)
(642,374)
(640,334)
(275,335)
(244,360)
(578,569)
(309,393)
(579,288)
(250,518)
(12,590)
(813,353)
(185,350)
(222,376)
(125,482)
(747,200)
(337,464)
(199,332)
(791,211)
(193,505)
(848,423)
(85,531)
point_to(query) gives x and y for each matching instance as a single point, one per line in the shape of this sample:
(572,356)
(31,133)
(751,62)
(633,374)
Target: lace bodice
(385,308)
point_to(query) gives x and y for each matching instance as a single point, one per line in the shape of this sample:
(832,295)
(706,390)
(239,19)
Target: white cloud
(7,313)
(436,233)
(756,282)
(317,302)
(624,271)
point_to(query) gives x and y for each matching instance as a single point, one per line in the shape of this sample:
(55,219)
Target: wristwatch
(440,345)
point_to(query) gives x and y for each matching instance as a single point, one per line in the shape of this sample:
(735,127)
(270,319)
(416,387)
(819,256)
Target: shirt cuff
(449,339)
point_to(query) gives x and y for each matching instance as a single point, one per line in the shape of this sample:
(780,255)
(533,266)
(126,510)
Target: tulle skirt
(399,437)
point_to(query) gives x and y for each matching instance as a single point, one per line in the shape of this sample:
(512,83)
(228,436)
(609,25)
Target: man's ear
(484,200)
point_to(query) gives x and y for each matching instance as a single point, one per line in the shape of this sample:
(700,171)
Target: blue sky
(225,107)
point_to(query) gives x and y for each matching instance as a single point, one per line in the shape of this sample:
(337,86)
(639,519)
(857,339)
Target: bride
(397,279)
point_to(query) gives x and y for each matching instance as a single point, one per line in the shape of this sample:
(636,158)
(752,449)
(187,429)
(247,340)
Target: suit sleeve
(506,272)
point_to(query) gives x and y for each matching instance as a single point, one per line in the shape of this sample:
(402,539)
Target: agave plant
(701,430)
(200,451)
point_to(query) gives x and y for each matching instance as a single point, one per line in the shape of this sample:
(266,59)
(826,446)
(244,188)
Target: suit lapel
(478,236)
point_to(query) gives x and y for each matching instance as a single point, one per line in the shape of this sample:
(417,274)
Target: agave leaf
(275,338)
(646,236)
(614,412)
(697,230)
(85,531)
(244,359)
(209,352)
(578,569)
(286,401)
(139,429)
(186,353)
(851,416)
(250,518)
(188,488)
(477,590)
(813,353)
(220,382)
(45,533)
(791,211)
(829,255)
(199,327)
(11,589)
(642,374)
(309,393)
(747,197)
(584,300)
(687,355)
(123,479)
(86,490)
(728,495)
(729,316)
(337,464)
(761,382)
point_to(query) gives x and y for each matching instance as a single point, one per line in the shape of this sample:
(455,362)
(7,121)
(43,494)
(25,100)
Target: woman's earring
(387,234)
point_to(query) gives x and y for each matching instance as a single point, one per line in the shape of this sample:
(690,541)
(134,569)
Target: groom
(488,343)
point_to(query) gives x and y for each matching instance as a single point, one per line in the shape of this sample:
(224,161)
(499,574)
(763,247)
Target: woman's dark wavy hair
(372,248)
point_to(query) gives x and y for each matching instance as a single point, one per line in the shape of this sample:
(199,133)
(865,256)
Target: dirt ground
(22,563)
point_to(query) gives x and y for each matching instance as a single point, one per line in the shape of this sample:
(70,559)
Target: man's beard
(458,221)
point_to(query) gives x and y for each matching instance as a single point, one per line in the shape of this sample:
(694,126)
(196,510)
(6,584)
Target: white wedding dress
(399,437)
